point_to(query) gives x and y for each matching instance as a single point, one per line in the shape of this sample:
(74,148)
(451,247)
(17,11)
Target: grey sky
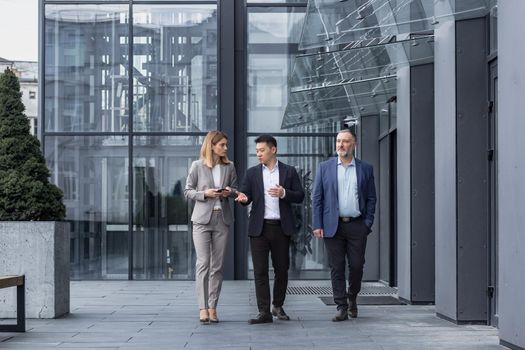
(19,30)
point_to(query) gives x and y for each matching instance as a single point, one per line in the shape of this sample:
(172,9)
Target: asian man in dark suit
(271,187)
(343,207)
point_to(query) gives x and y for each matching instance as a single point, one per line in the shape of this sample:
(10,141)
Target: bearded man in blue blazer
(343,207)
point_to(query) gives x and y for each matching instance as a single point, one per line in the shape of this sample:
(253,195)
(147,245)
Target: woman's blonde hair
(212,138)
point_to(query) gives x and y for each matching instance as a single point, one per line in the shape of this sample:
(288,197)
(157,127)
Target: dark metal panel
(226,92)
(240,152)
(422,183)
(393,209)
(472,166)
(369,152)
(384,179)
(130,145)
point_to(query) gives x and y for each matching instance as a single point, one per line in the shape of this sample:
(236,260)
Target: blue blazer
(253,187)
(325,204)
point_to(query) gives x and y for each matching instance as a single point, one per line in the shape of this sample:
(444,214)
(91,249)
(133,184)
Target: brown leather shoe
(204,316)
(213,315)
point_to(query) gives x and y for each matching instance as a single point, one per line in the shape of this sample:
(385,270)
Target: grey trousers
(210,245)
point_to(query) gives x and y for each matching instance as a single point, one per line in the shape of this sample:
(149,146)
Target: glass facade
(86,59)
(273,34)
(162,241)
(93,173)
(129,92)
(174,67)
(131,89)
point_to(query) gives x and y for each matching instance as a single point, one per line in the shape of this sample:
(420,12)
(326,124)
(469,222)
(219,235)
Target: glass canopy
(334,22)
(337,102)
(354,49)
(358,63)
(351,82)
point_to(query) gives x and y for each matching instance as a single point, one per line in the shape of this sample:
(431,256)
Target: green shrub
(25,190)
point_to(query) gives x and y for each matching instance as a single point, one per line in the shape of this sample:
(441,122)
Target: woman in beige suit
(211,181)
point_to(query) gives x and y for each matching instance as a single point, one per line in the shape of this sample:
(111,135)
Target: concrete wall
(445,169)
(415,184)
(403,183)
(511,171)
(40,251)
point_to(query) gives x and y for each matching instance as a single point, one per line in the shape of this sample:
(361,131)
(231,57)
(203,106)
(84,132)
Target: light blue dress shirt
(347,192)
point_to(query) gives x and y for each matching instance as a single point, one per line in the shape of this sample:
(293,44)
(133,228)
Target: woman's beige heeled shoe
(213,315)
(204,315)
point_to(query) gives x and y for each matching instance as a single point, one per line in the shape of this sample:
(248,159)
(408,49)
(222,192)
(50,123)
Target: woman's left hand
(226,192)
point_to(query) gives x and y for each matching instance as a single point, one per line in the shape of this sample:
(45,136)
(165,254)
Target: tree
(25,190)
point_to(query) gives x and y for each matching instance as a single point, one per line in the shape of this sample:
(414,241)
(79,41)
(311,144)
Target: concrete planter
(40,251)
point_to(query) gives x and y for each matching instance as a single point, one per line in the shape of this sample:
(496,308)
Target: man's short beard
(344,154)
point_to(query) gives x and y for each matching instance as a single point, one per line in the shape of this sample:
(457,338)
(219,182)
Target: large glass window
(86,60)
(273,34)
(89,75)
(163,247)
(175,67)
(273,37)
(93,173)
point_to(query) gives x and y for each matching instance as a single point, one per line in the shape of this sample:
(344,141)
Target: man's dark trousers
(349,243)
(272,241)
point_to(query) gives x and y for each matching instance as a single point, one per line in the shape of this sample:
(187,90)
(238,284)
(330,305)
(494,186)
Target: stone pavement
(163,315)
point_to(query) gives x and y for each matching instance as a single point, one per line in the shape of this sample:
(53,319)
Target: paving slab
(158,315)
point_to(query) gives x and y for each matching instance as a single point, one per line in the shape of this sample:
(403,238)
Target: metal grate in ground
(310,290)
(368,288)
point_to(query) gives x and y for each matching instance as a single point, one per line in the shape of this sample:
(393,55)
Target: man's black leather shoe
(262,317)
(278,312)
(352,308)
(341,315)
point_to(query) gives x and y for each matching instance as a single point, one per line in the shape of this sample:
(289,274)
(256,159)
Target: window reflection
(93,173)
(273,33)
(86,60)
(175,67)
(163,247)
(87,87)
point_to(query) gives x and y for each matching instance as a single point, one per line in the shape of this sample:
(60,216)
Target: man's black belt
(272,222)
(347,219)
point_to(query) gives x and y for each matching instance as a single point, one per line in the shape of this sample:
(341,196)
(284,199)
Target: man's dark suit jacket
(253,187)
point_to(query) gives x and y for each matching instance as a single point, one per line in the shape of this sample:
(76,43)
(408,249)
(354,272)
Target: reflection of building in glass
(175,65)
(87,72)
(27,73)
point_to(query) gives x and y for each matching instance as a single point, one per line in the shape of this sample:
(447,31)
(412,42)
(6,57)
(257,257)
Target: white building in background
(27,73)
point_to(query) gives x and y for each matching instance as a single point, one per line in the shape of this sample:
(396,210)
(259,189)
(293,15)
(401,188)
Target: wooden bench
(19,283)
